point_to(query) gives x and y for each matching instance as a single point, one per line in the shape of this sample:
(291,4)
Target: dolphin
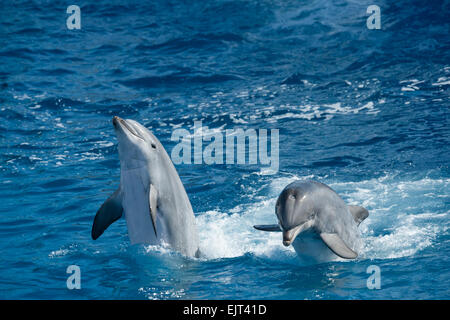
(317,222)
(151,195)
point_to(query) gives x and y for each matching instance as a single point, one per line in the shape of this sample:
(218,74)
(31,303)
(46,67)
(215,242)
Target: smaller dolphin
(151,194)
(317,222)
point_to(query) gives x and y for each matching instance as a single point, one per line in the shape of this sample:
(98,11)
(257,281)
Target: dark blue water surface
(365,111)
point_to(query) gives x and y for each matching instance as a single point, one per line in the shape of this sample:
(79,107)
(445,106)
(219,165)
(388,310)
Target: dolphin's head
(295,212)
(136,143)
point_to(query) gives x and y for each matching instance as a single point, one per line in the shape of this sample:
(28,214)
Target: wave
(177,79)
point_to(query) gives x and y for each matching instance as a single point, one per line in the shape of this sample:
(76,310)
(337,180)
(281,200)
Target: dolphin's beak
(122,124)
(116,120)
(290,235)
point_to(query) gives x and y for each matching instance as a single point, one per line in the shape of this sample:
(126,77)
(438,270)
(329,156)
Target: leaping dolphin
(311,214)
(151,194)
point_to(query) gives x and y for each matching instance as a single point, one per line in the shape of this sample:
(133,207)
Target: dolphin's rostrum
(151,194)
(308,211)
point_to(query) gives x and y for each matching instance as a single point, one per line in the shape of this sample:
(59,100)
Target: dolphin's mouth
(122,123)
(290,235)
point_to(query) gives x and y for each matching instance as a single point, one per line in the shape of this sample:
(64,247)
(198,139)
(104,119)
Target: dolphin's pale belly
(137,213)
(175,224)
(312,250)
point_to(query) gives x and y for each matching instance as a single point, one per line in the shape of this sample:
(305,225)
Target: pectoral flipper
(110,211)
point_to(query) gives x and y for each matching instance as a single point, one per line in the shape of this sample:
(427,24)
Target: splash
(405,218)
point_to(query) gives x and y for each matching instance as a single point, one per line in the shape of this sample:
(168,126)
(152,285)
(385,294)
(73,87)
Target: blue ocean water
(364,111)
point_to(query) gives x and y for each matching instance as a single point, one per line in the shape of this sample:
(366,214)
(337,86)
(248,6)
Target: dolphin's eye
(153,145)
(292,196)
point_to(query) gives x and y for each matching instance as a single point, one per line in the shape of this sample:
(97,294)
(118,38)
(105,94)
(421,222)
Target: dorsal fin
(358,213)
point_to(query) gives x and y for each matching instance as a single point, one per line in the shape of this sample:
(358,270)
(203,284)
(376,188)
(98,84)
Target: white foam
(58,253)
(442,81)
(152,293)
(22,97)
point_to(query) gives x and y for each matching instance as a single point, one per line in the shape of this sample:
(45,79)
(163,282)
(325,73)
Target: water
(365,111)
